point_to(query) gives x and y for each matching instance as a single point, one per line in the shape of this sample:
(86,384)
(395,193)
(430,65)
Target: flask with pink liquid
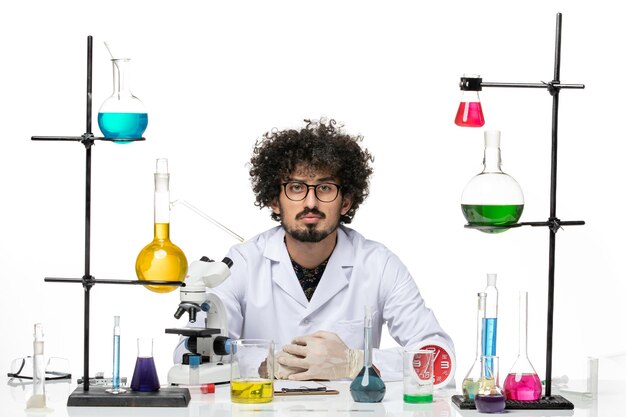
(522,382)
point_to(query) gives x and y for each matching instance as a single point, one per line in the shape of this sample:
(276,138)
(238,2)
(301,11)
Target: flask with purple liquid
(145,378)
(489,398)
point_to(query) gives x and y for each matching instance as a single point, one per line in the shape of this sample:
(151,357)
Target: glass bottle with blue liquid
(490,322)
(368,387)
(122,115)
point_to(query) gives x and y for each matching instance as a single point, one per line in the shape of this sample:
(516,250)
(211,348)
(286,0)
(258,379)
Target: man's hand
(282,371)
(322,355)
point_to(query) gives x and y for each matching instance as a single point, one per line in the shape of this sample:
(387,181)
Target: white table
(13,403)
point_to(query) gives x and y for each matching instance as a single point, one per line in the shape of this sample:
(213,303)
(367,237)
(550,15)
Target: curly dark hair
(319,146)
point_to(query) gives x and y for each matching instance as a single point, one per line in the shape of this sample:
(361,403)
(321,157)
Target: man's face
(310,220)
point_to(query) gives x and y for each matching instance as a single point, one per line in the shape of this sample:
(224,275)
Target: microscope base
(210,373)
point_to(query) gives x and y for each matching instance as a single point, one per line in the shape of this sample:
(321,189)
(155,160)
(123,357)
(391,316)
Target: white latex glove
(282,371)
(322,355)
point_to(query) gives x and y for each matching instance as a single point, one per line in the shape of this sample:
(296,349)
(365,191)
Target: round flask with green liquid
(492,199)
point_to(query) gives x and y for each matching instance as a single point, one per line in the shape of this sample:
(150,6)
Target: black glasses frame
(49,375)
(308,187)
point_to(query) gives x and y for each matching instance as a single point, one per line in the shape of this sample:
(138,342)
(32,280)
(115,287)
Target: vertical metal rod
(553,230)
(87,276)
(89,73)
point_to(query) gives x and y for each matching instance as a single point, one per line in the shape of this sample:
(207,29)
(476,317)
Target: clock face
(443,367)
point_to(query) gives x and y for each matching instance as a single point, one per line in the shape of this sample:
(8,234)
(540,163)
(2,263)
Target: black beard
(310,234)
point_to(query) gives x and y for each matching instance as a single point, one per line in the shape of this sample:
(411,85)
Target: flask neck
(479,323)
(491,309)
(367,351)
(161,198)
(492,161)
(121,77)
(161,231)
(523,324)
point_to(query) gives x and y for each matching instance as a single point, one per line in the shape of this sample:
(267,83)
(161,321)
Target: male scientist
(304,284)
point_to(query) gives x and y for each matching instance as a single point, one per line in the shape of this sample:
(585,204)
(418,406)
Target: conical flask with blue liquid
(122,115)
(368,387)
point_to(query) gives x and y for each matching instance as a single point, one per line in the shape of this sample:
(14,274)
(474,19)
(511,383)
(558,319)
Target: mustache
(310,211)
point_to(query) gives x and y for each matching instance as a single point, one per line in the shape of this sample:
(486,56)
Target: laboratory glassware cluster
(481,383)
(492,202)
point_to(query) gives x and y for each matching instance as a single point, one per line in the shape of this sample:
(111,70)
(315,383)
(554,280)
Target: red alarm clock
(444,365)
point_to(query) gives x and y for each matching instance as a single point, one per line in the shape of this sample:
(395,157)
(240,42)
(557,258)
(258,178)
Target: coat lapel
(282,270)
(336,275)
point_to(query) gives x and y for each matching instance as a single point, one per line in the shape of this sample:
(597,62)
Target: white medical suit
(264,299)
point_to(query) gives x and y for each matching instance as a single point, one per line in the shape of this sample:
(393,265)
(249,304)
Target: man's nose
(311,200)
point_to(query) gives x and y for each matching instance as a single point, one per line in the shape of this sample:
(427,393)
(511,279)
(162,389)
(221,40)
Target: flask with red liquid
(470,112)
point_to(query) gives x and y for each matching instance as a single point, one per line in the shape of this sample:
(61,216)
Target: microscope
(210,343)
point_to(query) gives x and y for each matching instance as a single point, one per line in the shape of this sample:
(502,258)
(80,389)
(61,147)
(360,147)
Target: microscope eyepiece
(228,261)
(179,313)
(192,315)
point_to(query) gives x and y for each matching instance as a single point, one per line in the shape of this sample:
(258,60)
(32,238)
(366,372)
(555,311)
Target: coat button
(305,322)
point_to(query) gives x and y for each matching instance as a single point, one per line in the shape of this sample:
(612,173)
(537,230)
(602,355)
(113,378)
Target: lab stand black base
(98,397)
(554,402)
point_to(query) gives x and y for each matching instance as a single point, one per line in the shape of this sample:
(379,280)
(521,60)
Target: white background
(216,75)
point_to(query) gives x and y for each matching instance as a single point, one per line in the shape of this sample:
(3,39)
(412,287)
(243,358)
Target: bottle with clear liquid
(38,399)
(473,376)
(122,115)
(522,383)
(161,260)
(492,198)
(367,386)
(490,323)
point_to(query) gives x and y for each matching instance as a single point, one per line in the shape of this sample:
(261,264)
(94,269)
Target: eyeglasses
(57,368)
(325,192)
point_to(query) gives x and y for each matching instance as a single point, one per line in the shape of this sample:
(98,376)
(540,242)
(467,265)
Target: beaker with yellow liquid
(252,371)
(252,391)
(161,260)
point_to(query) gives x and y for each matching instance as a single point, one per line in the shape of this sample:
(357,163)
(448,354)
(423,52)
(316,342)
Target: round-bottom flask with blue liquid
(122,125)
(122,115)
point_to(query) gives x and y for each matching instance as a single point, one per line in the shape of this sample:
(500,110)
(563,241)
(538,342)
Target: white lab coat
(264,299)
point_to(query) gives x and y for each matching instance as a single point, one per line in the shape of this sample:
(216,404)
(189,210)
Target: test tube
(115,381)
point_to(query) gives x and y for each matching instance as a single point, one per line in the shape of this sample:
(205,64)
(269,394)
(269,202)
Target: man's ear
(346,204)
(275,206)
